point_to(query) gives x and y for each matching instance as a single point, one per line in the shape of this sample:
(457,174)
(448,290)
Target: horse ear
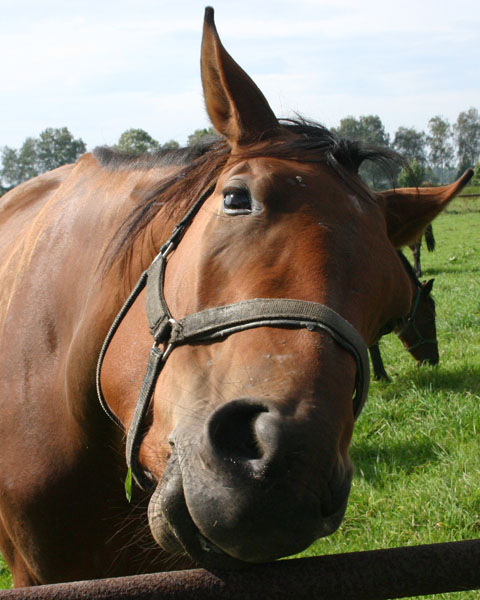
(427,286)
(237,108)
(409,210)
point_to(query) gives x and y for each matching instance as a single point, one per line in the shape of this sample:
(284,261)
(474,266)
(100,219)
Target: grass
(415,446)
(5,577)
(470,189)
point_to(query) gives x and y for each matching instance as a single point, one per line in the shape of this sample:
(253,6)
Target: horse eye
(237,202)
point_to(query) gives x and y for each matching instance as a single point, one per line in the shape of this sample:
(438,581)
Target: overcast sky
(100,67)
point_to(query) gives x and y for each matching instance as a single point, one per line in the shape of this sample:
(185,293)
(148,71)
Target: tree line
(432,157)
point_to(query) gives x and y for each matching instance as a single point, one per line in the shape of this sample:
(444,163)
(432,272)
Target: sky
(100,67)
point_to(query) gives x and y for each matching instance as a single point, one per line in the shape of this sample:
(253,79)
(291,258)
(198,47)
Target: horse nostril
(234,433)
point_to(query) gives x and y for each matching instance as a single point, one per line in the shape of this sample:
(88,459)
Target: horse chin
(173,528)
(180,527)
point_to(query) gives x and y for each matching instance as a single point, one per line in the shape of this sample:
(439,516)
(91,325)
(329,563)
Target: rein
(215,324)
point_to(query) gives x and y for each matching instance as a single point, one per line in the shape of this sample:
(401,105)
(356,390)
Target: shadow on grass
(404,457)
(460,380)
(439,378)
(445,270)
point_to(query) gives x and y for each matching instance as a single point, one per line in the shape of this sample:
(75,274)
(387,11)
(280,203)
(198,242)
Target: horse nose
(433,358)
(245,433)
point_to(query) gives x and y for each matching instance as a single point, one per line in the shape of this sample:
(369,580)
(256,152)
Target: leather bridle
(215,324)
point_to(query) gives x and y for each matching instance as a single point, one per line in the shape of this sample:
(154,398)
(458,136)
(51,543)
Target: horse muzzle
(238,492)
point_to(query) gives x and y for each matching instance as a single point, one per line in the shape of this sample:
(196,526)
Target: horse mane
(118,160)
(201,164)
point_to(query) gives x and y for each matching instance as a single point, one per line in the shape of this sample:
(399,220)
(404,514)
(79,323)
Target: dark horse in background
(259,306)
(415,248)
(417,331)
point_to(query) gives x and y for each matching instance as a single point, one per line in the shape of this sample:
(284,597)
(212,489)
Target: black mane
(117,160)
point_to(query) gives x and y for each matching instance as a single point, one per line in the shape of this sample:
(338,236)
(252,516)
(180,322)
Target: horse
(417,331)
(207,314)
(415,248)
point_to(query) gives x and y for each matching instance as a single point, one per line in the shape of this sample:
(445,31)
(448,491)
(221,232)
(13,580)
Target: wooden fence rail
(372,575)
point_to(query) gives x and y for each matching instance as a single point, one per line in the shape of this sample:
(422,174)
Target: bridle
(213,324)
(411,320)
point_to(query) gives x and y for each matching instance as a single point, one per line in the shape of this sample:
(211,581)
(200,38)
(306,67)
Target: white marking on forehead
(297,181)
(279,357)
(356,203)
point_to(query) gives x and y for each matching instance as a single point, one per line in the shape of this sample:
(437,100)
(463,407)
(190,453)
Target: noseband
(215,324)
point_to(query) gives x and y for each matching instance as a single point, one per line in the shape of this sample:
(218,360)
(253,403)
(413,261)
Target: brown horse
(260,305)
(417,331)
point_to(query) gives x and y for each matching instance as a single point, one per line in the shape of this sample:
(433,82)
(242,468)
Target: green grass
(470,189)
(415,446)
(5,577)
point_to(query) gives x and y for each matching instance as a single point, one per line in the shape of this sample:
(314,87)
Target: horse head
(246,435)
(418,331)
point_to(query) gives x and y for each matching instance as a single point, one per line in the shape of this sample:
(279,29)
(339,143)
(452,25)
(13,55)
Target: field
(415,445)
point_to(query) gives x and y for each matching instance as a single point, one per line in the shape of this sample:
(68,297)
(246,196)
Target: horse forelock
(200,165)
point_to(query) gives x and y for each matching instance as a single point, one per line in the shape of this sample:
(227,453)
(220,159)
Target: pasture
(415,447)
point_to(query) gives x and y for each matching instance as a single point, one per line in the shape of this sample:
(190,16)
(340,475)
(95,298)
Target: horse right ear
(236,107)
(409,210)
(427,286)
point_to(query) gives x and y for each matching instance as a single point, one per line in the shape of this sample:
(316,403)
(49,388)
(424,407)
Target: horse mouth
(176,532)
(174,529)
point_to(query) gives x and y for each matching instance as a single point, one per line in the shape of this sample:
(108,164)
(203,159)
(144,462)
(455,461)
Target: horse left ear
(409,210)
(237,108)
(427,286)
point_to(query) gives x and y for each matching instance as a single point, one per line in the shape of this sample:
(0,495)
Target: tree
(467,136)
(10,166)
(20,165)
(370,130)
(411,144)
(201,135)
(170,145)
(136,142)
(439,140)
(476,175)
(56,147)
(412,174)
(53,148)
